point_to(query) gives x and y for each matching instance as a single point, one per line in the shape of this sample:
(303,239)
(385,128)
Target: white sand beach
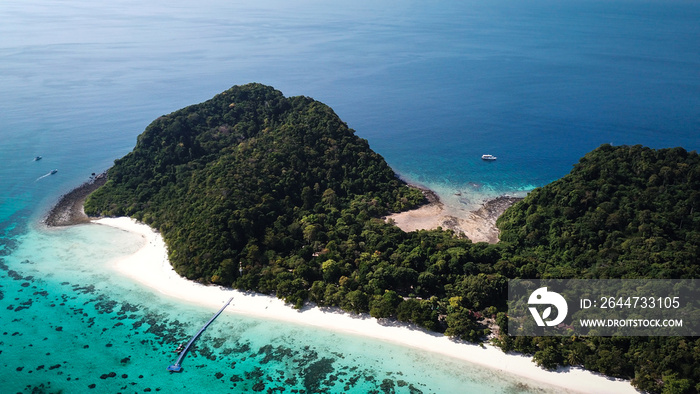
(150,267)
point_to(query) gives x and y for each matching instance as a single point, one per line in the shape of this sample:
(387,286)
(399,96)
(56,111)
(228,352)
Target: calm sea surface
(432,85)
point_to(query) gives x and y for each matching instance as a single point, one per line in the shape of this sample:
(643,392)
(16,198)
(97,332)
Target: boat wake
(44,176)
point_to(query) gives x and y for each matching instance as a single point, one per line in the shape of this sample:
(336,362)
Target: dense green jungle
(257,191)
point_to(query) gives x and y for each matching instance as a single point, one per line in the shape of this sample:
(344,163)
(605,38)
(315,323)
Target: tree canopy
(247,177)
(622,212)
(262,192)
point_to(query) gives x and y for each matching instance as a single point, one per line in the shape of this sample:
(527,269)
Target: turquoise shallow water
(432,85)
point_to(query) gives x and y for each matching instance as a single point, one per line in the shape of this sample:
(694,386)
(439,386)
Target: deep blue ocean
(432,85)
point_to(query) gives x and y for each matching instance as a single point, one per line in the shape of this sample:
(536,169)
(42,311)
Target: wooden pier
(177,367)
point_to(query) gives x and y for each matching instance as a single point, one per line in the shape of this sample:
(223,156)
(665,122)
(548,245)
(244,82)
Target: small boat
(488,157)
(37,158)
(53,171)
(180,347)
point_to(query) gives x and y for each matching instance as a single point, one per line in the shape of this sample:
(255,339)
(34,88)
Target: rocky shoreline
(495,207)
(429,195)
(69,209)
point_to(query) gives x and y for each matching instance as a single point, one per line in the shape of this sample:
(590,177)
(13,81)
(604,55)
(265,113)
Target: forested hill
(243,177)
(260,192)
(622,212)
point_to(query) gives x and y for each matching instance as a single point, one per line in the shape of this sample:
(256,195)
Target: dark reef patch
(315,374)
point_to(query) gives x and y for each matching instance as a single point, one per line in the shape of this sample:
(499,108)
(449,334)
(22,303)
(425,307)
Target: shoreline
(150,267)
(69,210)
(478,225)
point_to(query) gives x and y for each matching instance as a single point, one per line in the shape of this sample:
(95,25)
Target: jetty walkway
(177,367)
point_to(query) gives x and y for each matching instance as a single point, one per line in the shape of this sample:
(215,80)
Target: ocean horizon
(431,85)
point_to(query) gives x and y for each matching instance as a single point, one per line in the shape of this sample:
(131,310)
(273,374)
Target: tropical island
(256,191)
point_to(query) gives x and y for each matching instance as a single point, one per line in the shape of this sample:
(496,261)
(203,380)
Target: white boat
(488,157)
